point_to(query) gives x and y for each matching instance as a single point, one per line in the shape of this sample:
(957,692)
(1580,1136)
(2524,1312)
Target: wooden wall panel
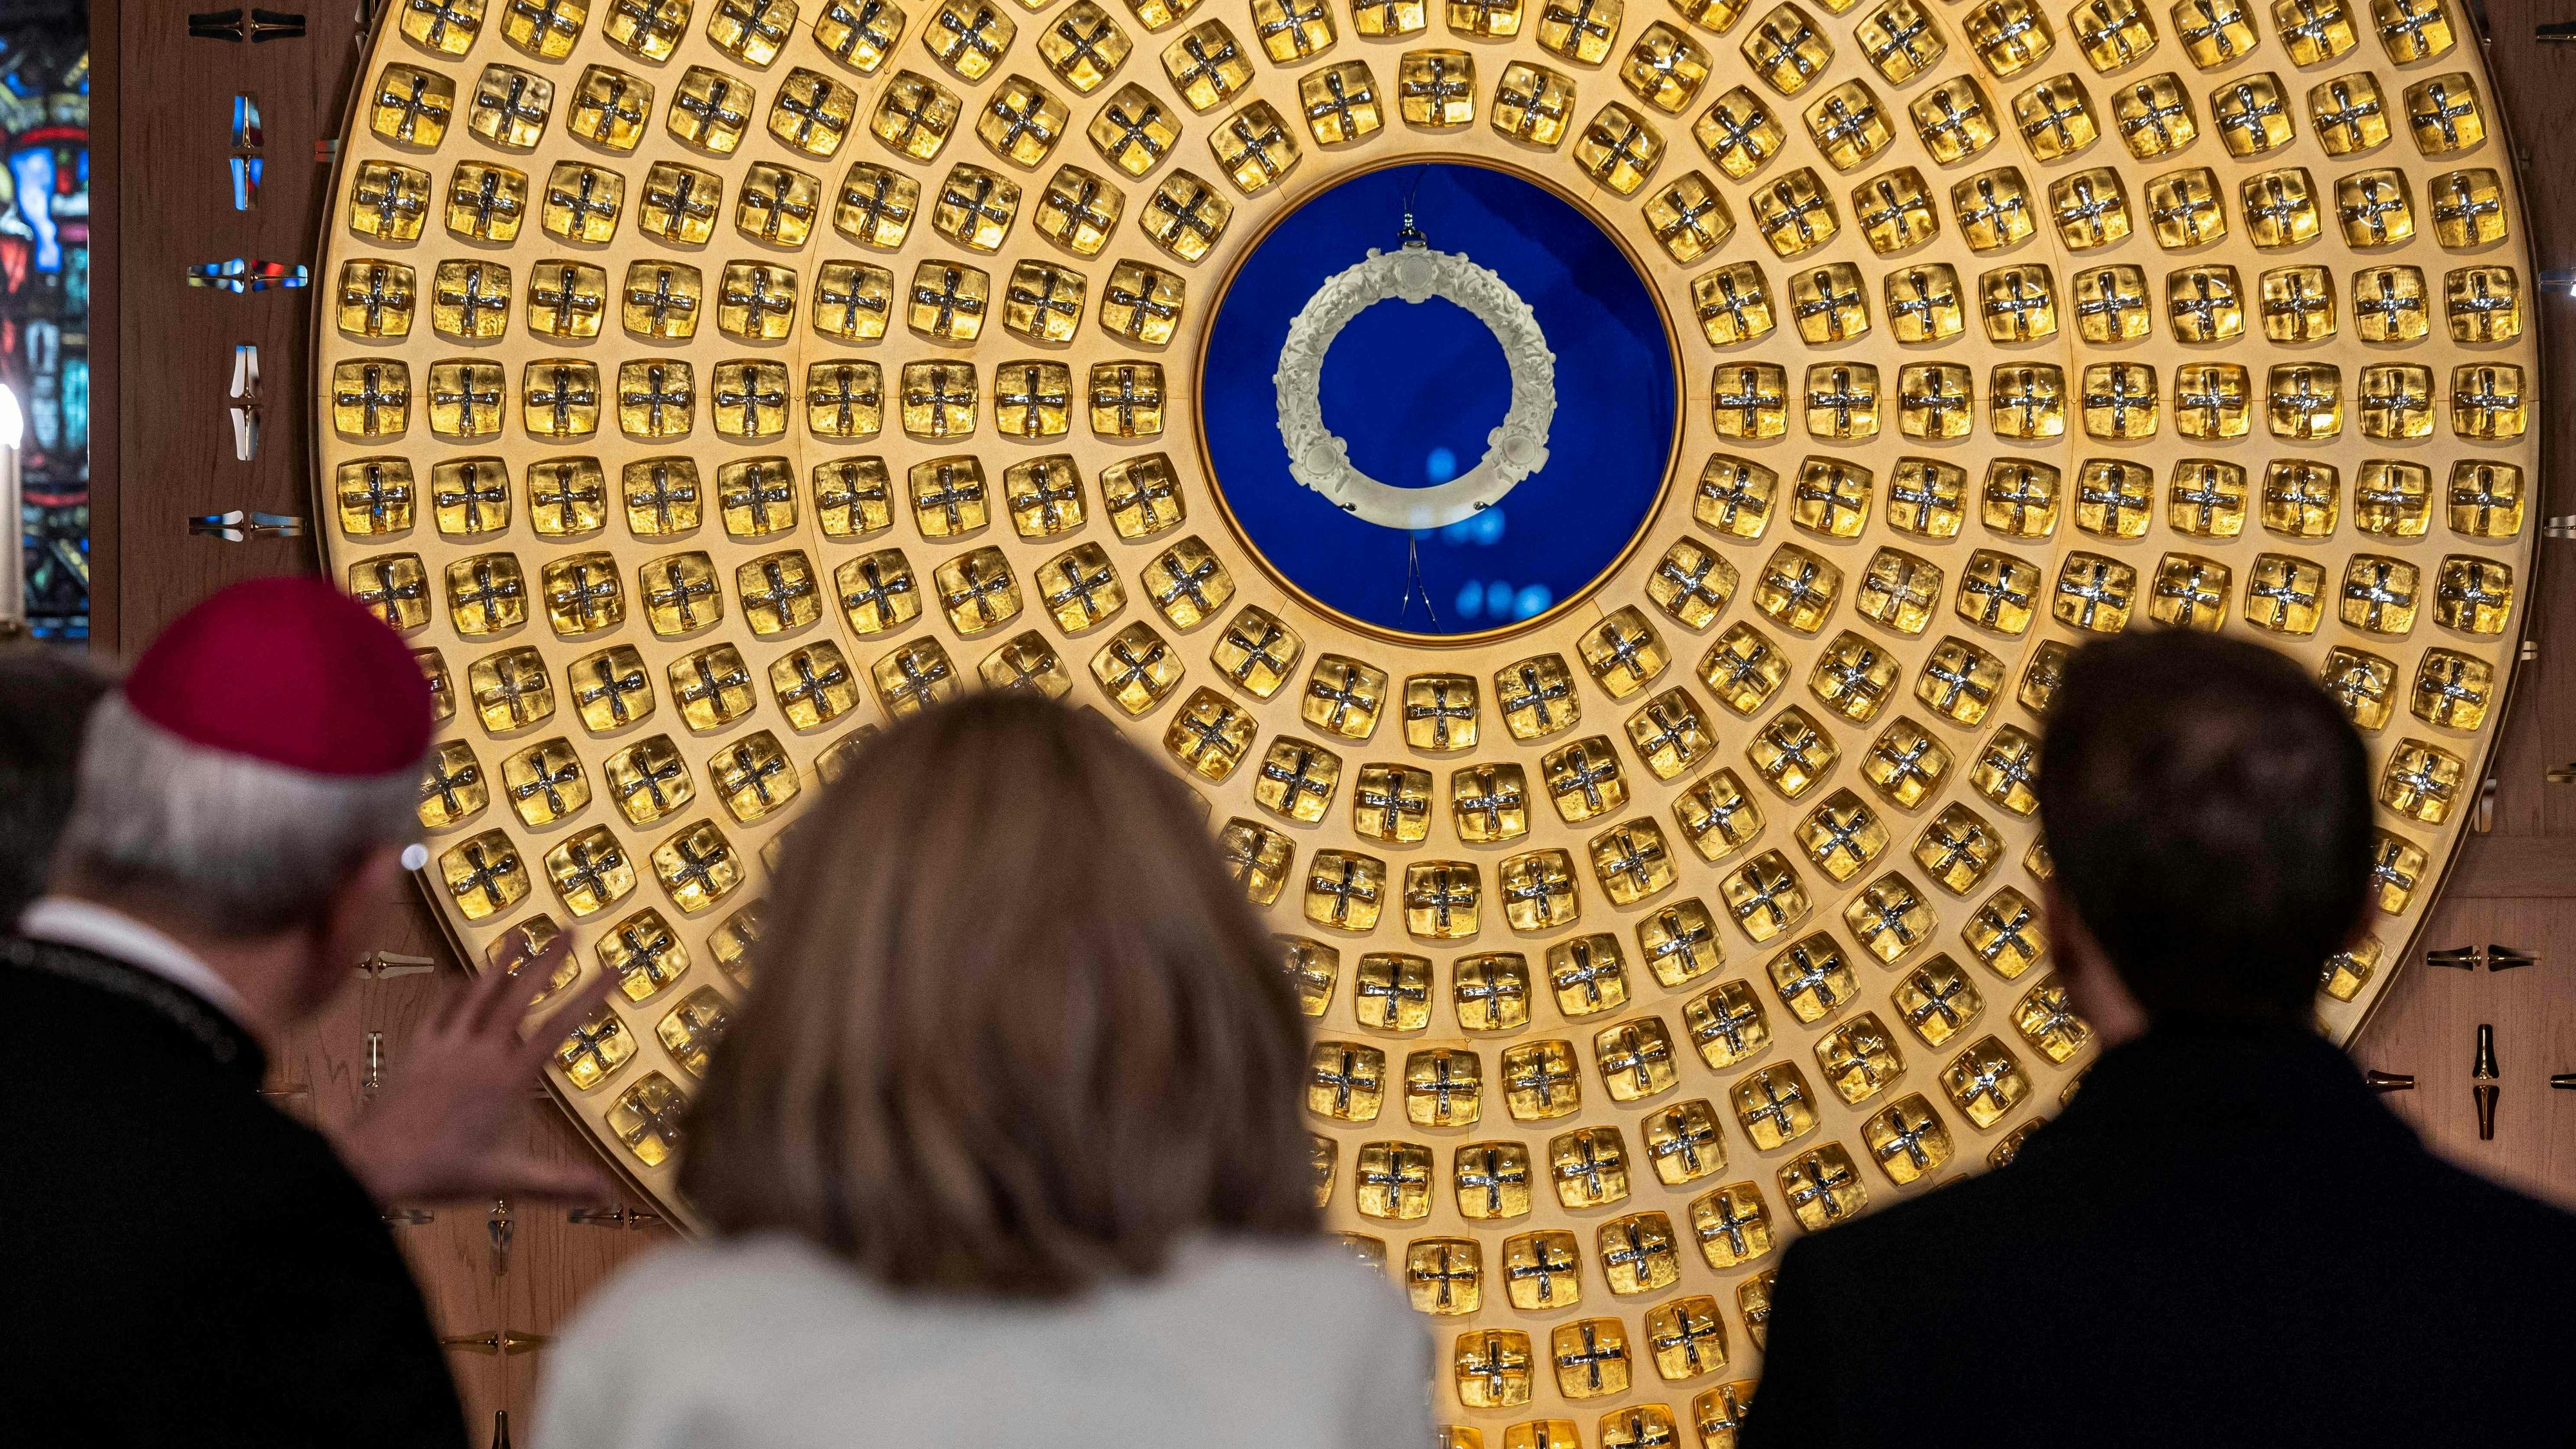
(475,1292)
(2431,1031)
(161,395)
(2516,885)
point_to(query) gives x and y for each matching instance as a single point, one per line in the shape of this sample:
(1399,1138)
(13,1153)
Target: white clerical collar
(118,936)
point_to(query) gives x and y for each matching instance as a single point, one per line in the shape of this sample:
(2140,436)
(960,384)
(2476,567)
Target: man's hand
(443,1130)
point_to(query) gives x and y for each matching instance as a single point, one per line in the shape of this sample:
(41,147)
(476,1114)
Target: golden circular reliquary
(705,381)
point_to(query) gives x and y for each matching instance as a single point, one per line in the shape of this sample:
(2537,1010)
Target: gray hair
(241,846)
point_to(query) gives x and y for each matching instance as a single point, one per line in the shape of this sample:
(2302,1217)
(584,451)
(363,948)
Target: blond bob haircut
(1012,1029)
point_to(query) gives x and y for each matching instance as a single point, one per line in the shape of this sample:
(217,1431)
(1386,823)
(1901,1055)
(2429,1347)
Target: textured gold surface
(850,362)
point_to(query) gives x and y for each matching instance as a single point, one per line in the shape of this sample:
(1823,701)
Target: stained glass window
(44,299)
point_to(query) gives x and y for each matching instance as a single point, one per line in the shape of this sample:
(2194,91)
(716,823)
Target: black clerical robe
(182,1265)
(2225,1239)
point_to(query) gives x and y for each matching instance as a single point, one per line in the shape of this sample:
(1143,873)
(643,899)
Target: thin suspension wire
(1410,235)
(1413,582)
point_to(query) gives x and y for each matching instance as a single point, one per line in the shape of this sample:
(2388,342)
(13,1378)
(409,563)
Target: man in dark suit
(2225,1238)
(180,1262)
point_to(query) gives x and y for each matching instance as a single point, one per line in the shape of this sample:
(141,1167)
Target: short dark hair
(1012,1029)
(2207,808)
(45,697)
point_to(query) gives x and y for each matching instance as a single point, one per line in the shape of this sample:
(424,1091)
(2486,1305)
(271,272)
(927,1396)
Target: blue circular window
(1414,388)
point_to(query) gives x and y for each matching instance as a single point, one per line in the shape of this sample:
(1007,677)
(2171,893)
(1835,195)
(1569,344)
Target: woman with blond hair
(1003,1147)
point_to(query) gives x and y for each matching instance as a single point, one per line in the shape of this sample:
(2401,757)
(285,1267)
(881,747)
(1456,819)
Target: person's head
(2207,807)
(45,696)
(1012,1029)
(255,782)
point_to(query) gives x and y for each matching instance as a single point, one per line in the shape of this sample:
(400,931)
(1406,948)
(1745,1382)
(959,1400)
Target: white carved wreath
(1513,451)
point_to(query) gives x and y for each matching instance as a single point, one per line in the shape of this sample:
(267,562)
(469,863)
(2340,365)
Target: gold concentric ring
(1888,634)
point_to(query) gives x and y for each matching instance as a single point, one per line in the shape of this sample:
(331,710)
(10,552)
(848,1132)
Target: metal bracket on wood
(2492,956)
(502,1227)
(248,274)
(252,28)
(380,964)
(2484,1073)
(245,404)
(497,1341)
(236,525)
(612,1217)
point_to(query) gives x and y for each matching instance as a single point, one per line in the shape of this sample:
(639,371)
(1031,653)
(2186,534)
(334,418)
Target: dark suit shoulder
(2226,1243)
(2501,1208)
(1965,1218)
(121,1100)
(2041,1214)
(281,1312)
(2506,1257)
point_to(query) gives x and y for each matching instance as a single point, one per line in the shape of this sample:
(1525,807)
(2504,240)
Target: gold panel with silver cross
(743,376)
